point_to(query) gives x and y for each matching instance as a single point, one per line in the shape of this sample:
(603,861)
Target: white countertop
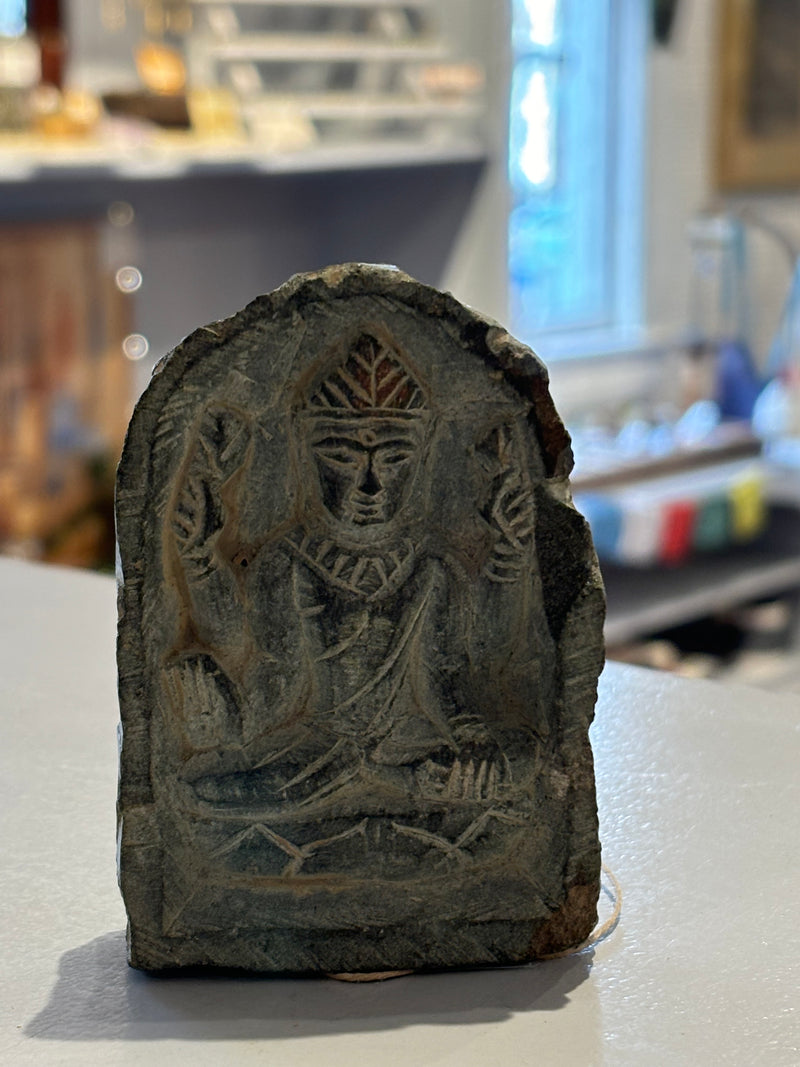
(698,787)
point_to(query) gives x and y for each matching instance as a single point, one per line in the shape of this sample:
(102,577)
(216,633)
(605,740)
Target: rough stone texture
(360,633)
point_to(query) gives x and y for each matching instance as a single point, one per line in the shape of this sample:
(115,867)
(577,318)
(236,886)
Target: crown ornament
(372,379)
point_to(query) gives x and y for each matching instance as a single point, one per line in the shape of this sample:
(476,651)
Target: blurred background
(619,182)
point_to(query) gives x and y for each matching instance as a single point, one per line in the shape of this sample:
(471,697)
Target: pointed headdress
(372,379)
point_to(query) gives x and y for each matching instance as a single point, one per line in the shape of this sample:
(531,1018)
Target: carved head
(366,424)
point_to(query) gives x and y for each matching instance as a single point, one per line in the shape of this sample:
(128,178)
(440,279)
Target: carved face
(365,467)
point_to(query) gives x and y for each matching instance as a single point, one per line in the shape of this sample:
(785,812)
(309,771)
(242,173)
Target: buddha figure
(357,701)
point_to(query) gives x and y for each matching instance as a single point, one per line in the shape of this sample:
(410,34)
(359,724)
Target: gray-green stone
(360,633)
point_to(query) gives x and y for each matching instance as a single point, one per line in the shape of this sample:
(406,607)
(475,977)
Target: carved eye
(394,456)
(338,455)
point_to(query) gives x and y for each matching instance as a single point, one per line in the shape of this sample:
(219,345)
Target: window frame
(622,319)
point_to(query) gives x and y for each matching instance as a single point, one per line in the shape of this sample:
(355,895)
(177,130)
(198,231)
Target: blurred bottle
(777,411)
(719,365)
(45,21)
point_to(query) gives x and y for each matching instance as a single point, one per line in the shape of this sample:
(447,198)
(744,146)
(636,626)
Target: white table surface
(698,789)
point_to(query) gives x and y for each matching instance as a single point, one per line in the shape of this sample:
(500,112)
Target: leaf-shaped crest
(373,377)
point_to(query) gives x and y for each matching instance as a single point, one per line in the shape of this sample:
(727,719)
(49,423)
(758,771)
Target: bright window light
(537,157)
(574,225)
(541,18)
(12,18)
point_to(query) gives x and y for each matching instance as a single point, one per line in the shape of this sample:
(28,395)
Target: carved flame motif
(372,378)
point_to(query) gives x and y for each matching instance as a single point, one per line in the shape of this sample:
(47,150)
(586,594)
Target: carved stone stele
(359,640)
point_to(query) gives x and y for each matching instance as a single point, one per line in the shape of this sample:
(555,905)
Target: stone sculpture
(359,640)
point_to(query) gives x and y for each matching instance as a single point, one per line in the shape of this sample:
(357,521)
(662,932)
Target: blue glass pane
(536,23)
(560,265)
(12,18)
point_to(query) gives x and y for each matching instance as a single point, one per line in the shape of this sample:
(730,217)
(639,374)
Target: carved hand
(199,514)
(203,699)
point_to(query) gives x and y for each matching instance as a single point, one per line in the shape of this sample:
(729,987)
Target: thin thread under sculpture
(600,933)
(605,929)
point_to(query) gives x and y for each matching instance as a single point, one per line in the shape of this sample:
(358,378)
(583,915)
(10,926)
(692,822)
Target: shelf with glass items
(25,158)
(251,85)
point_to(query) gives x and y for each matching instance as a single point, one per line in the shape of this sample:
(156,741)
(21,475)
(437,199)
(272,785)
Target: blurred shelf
(351,105)
(306,47)
(367,4)
(25,158)
(783,483)
(609,469)
(643,601)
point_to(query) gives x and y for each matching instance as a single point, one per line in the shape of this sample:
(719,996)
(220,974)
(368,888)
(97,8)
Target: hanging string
(614,893)
(368,976)
(605,929)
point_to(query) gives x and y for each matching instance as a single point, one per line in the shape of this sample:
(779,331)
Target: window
(12,18)
(575,153)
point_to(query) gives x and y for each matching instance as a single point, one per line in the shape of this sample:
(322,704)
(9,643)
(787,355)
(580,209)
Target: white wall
(680,181)
(678,184)
(476,272)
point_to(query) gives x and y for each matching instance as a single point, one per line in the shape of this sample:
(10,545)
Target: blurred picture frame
(758,104)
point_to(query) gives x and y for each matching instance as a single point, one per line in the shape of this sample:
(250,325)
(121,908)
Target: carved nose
(370,484)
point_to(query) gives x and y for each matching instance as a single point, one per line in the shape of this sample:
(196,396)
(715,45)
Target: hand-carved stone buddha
(356,728)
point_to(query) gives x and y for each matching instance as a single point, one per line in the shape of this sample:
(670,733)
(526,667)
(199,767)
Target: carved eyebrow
(339,442)
(397,442)
(342,441)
